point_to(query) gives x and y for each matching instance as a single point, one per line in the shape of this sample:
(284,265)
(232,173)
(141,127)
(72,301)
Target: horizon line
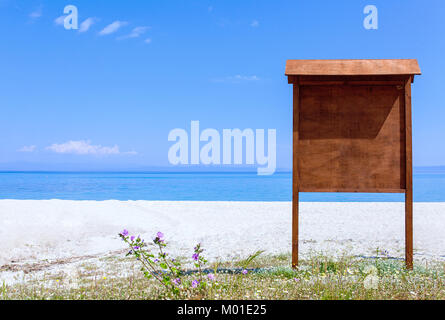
(173,171)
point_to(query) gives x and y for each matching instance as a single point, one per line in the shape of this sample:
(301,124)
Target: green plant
(167,271)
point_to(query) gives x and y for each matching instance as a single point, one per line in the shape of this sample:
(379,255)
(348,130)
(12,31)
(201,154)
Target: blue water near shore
(429,186)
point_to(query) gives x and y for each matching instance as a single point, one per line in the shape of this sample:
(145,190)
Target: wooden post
(295,185)
(408,179)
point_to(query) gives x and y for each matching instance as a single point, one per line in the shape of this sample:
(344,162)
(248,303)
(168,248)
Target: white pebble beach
(32,231)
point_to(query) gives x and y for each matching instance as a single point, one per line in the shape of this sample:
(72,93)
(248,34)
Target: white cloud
(27,149)
(112,28)
(237,79)
(59,21)
(84,147)
(85,25)
(148,40)
(36,14)
(136,32)
(255,24)
(246,78)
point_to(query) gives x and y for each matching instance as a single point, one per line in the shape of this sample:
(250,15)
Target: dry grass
(318,277)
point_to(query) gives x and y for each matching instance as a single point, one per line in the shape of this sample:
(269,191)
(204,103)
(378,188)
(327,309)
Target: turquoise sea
(429,186)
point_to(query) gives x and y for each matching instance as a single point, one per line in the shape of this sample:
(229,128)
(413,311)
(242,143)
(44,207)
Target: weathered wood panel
(351,138)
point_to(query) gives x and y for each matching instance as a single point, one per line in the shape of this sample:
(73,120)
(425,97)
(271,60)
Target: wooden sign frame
(352,131)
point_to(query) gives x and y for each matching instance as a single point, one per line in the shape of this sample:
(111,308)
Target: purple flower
(177,281)
(244,272)
(211,276)
(195,283)
(195,256)
(296,279)
(159,238)
(136,247)
(124,232)
(156,260)
(132,238)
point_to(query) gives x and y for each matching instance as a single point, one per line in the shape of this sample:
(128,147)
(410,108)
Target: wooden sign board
(352,130)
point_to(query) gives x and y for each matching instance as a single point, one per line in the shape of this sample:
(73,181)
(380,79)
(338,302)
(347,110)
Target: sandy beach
(32,231)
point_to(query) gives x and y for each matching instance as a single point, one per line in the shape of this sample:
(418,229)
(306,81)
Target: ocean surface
(429,186)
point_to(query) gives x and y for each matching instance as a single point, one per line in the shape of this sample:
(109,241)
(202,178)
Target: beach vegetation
(149,272)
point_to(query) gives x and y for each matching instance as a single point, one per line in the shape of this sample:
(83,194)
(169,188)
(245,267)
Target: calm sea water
(429,186)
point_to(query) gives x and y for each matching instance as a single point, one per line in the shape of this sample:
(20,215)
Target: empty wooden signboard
(352,131)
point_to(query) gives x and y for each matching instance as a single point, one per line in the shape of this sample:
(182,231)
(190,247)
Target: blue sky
(170,62)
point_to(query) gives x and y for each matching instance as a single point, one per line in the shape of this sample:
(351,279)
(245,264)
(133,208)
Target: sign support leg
(408,179)
(295,180)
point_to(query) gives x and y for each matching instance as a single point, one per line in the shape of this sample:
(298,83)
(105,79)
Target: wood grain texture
(295,175)
(353,67)
(351,138)
(408,179)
